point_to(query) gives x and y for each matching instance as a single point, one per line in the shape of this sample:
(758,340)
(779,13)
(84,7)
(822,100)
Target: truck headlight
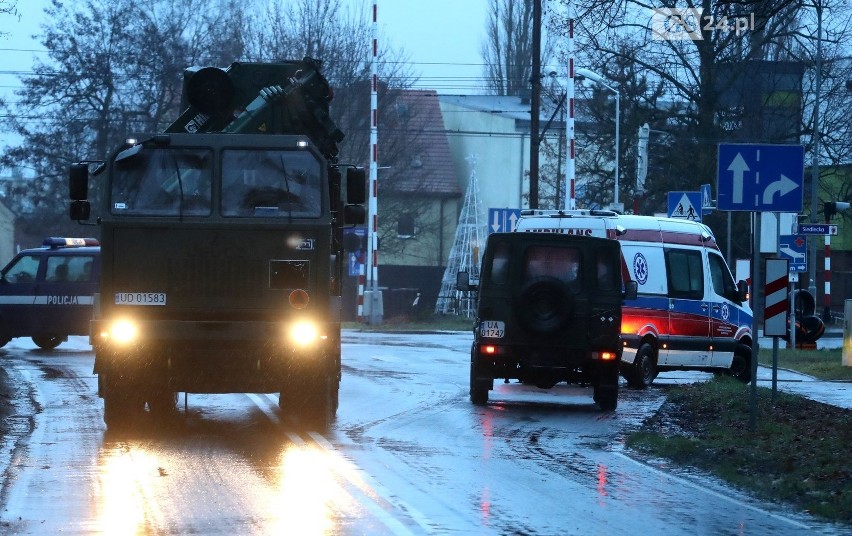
(304,333)
(123,331)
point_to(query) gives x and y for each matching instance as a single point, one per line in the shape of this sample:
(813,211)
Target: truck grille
(229,277)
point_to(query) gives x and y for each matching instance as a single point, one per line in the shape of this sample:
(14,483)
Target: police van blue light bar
(60,242)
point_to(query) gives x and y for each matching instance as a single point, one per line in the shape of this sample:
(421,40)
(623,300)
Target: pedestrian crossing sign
(685,205)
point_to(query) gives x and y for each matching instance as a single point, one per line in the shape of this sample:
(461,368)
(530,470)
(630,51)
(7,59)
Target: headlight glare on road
(123,331)
(304,333)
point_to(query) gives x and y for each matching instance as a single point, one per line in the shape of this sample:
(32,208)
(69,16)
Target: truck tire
(605,392)
(48,342)
(479,387)
(162,402)
(641,374)
(122,404)
(314,401)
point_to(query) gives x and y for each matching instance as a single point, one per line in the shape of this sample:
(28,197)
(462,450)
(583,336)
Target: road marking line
(714,493)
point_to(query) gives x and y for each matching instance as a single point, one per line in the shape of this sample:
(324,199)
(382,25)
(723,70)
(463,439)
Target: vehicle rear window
(558,262)
(500,263)
(608,264)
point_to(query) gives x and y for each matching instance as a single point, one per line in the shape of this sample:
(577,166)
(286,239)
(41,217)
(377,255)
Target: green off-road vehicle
(549,311)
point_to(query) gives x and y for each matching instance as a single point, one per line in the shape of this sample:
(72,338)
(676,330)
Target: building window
(405,226)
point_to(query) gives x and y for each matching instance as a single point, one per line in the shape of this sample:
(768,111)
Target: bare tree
(113,67)
(507,49)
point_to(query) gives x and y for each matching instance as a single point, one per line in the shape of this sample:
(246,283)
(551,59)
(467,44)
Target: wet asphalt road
(408,454)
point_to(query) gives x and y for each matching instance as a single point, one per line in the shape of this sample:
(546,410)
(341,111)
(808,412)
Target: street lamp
(594,77)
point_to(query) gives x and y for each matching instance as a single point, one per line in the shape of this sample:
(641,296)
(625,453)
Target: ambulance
(689,314)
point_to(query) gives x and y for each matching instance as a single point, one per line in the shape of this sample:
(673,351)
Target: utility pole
(535,102)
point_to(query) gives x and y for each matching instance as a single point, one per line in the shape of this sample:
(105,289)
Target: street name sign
(760,177)
(817,229)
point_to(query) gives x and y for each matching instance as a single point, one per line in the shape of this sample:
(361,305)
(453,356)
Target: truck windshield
(269,183)
(162,181)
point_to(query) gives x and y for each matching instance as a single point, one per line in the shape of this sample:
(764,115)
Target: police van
(47,292)
(689,313)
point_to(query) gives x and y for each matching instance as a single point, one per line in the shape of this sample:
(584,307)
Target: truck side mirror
(78,182)
(354,215)
(631,290)
(356,186)
(80,210)
(463,282)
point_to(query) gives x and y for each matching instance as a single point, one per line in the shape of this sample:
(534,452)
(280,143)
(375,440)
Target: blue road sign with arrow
(760,178)
(503,220)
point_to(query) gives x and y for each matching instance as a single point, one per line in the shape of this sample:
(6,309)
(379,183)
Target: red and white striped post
(360,293)
(826,314)
(776,299)
(372,208)
(570,167)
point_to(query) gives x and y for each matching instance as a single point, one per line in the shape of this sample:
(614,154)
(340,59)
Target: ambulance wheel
(741,365)
(544,305)
(644,368)
(48,342)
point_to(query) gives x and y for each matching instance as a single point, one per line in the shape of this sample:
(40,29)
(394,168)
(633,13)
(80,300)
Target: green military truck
(549,311)
(222,247)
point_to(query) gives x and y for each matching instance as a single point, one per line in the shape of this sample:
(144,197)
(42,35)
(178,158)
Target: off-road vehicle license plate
(494,329)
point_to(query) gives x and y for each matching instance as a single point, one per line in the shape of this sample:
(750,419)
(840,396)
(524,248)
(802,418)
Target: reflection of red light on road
(602,480)
(485,505)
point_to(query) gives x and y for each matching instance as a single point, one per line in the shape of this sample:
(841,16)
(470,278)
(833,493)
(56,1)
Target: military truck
(222,247)
(549,311)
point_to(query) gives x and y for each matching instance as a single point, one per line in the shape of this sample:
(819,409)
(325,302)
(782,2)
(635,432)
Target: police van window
(500,263)
(606,269)
(23,270)
(560,263)
(685,274)
(723,282)
(272,184)
(62,268)
(162,181)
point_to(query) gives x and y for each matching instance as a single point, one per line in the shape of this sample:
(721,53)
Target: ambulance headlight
(122,331)
(304,333)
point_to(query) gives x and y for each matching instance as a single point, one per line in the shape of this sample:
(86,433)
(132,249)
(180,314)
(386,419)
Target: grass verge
(822,364)
(798,452)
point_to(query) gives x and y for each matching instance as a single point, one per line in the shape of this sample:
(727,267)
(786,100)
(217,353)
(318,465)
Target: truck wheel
(479,387)
(162,402)
(606,396)
(741,365)
(644,368)
(48,342)
(122,404)
(314,401)
(4,340)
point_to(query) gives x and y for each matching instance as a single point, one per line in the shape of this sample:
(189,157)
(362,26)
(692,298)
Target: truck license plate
(492,329)
(140,298)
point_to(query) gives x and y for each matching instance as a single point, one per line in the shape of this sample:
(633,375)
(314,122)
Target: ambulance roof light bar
(54,242)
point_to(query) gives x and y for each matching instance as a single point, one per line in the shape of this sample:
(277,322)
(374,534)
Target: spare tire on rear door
(544,305)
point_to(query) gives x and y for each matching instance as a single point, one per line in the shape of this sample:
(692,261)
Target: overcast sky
(442,38)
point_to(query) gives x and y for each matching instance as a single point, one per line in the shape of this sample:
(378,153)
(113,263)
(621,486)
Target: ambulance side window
(685,274)
(723,283)
(24,270)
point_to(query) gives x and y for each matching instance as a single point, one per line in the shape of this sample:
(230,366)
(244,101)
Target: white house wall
(502,154)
